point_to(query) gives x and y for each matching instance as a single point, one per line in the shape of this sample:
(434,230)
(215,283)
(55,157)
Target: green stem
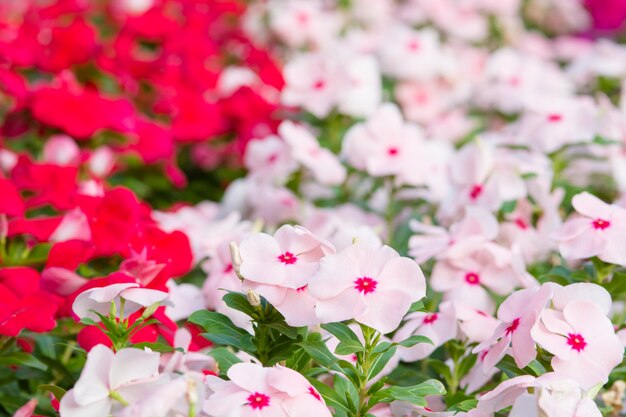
(364,365)
(117,397)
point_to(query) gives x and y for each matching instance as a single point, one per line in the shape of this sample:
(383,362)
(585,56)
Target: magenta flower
(255,391)
(370,284)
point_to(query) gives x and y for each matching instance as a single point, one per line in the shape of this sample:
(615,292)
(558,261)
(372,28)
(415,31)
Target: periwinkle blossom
(372,284)
(257,391)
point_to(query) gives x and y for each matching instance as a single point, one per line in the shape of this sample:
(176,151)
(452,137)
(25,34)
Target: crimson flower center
(576,342)
(319,85)
(257,401)
(600,224)
(512,327)
(288,258)
(365,285)
(555,117)
(413,45)
(521,223)
(475,191)
(431,318)
(472,278)
(314,394)
(393,151)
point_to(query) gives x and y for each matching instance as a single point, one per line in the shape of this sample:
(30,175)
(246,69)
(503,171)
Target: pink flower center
(303,18)
(512,327)
(413,45)
(319,85)
(393,151)
(515,81)
(431,318)
(483,354)
(302,288)
(314,394)
(228,268)
(365,285)
(555,117)
(272,158)
(288,258)
(521,223)
(576,342)
(421,98)
(600,224)
(354,358)
(475,191)
(472,278)
(257,401)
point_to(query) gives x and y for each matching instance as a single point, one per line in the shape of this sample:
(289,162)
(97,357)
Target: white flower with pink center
(598,231)
(288,259)
(269,159)
(255,391)
(410,54)
(582,340)
(370,284)
(518,314)
(439,327)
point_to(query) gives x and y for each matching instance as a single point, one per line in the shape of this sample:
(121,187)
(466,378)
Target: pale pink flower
(476,325)
(598,230)
(477,227)
(581,291)
(371,284)
(462,20)
(409,54)
(582,340)
(101,162)
(61,150)
(98,300)
(288,259)
(362,92)
(467,275)
(384,144)
(306,150)
(518,314)
(504,395)
(269,159)
(186,361)
(184,300)
(278,204)
(128,375)
(313,82)
(269,392)
(477,377)
(423,102)
(439,327)
(622,336)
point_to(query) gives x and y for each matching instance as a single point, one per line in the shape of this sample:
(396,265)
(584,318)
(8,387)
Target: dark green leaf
(58,392)
(22,359)
(341,332)
(239,302)
(414,340)
(348,347)
(224,358)
(220,329)
(320,353)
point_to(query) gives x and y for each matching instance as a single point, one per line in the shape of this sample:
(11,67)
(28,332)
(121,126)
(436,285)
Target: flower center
(472,278)
(288,258)
(555,117)
(475,191)
(257,401)
(576,342)
(413,45)
(600,224)
(519,222)
(393,151)
(228,268)
(431,318)
(314,394)
(302,288)
(319,85)
(512,327)
(365,285)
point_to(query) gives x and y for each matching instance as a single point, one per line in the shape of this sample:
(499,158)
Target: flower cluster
(303,208)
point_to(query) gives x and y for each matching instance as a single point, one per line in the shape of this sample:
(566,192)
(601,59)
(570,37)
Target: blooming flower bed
(312,208)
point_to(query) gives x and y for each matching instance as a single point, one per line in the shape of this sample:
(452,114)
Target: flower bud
(236,259)
(253,298)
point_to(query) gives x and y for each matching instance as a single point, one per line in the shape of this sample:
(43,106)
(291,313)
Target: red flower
(24,305)
(11,203)
(81,112)
(607,15)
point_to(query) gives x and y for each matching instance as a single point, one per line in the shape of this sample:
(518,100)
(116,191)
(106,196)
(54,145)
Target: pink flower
(287,259)
(61,150)
(518,314)
(439,327)
(111,380)
(370,284)
(598,231)
(98,300)
(504,395)
(269,159)
(476,325)
(411,54)
(306,150)
(269,392)
(582,340)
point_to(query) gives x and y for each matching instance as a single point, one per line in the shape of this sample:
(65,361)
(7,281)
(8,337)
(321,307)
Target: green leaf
(58,392)
(617,285)
(508,206)
(320,353)
(416,306)
(331,397)
(348,347)
(224,358)
(465,405)
(220,329)
(346,389)
(22,359)
(88,321)
(379,363)
(156,347)
(413,394)
(342,332)
(414,340)
(284,329)
(239,302)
